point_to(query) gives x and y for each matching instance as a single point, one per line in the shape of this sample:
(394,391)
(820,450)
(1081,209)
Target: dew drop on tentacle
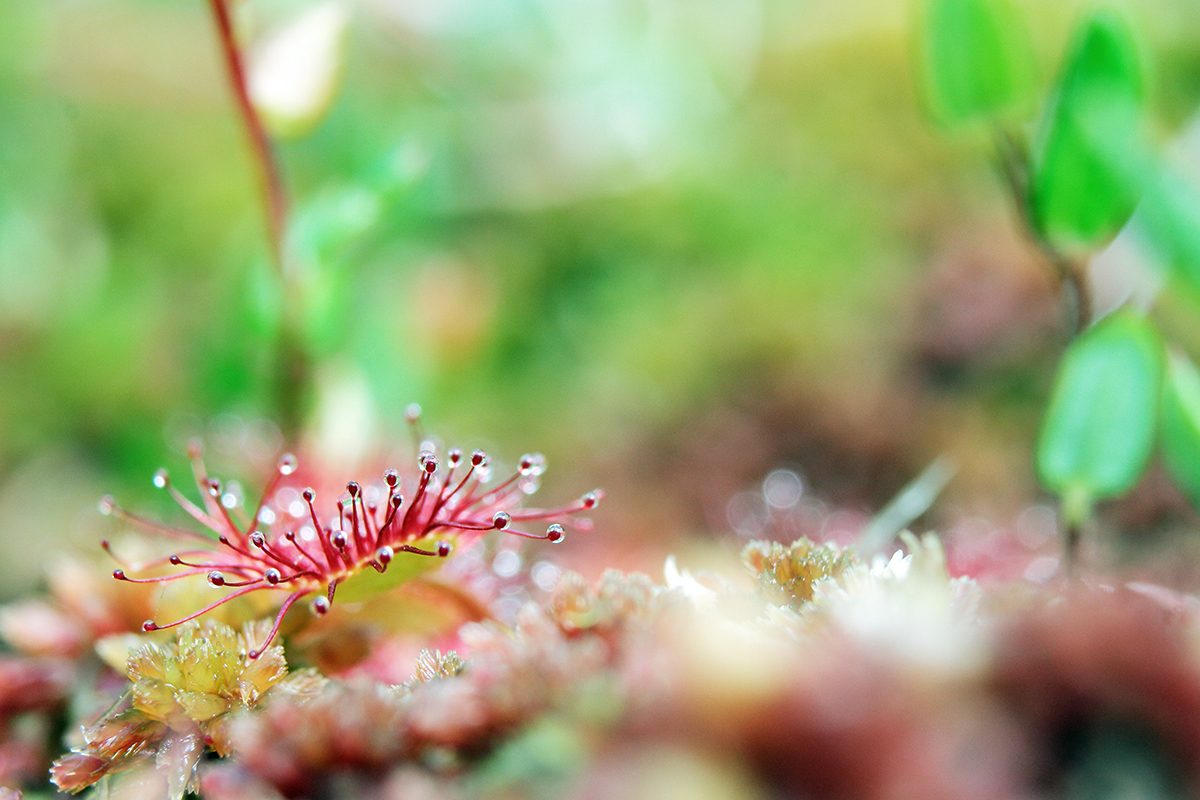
(287,464)
(216,579)
(161,478)
(106,505)
(272,576)
(353,488)
(320,605)
(554,533)
(444,548)
(214,487)
(454,456)
(384,555)
(478,458)
(308,494)
(501,520)
(590,499)
(148,626)
(391,477)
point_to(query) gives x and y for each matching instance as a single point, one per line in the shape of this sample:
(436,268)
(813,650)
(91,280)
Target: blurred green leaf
(1119,761)
(535,763)
(1170,215)
(323,239)
(1181,424)
(1099,427)
(264,301)
(1088,173)
(978,58)
(334,221)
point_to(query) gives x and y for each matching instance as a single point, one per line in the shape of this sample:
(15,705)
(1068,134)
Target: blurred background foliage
(673,244)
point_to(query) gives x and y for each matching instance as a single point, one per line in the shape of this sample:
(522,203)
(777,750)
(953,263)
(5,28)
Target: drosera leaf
(1180,435)
(1099,428)
(368,583)
(1093,157)
(977,56)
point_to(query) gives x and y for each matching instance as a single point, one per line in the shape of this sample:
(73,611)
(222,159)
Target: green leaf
(978,60)
(324,237)
(368,583)
(1099,428)
(1090,166)
(333,222)
(1118,761)
(1170,215)
(1181,425)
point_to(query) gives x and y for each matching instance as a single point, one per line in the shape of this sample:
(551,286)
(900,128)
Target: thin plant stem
(1073,285)
(293,363)
(275,196)
(1075,276)
(1073,534)
(1072,276)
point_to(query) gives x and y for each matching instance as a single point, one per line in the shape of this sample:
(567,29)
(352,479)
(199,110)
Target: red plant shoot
(446,507)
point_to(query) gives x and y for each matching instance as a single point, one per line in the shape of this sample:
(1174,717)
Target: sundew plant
(876,322)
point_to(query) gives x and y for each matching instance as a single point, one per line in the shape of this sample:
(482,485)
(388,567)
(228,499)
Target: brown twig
(273,190)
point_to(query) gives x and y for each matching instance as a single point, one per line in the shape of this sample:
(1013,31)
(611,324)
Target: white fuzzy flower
(684,581)
(909,607)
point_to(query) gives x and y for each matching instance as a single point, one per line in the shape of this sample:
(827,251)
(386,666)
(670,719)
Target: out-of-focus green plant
(1089,167)
(1181,424)
(1084,184)
(1099,427)
(978,59)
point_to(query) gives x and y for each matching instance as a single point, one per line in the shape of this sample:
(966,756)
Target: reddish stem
(275,197)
